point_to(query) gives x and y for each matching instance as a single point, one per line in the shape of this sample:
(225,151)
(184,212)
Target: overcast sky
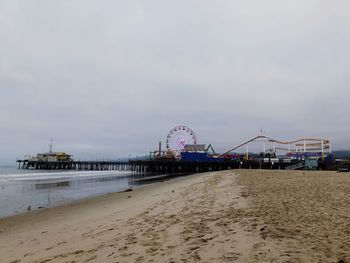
(106,79)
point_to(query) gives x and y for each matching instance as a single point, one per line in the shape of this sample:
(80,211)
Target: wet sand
(230,216)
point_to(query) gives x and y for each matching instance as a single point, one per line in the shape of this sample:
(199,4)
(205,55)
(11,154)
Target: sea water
(27,190)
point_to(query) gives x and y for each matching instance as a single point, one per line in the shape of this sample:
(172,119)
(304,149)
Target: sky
(108,79)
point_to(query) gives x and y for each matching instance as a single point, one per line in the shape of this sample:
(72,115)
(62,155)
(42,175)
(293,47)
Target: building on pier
(51,156)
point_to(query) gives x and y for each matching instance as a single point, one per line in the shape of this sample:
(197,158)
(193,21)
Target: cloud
(110,79)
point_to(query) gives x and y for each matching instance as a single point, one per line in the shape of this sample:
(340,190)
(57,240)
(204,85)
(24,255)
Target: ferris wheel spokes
(178,137)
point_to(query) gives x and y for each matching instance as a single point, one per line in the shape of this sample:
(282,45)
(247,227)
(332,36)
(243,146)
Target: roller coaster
(299,146)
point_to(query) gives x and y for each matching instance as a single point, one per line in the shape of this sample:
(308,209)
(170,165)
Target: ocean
(27,190)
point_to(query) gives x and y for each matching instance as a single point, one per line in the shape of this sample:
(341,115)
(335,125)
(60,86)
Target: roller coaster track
(325,142)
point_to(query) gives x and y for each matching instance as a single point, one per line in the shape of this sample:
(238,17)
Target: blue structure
(199,157)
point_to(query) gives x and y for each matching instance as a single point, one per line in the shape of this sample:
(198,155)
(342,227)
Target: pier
(75,165)
(174,166)
(162,166)
(190,157)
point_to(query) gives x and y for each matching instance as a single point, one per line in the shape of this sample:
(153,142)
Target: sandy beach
(229,216)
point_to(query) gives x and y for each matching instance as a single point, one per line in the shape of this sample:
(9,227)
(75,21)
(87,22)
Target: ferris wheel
(178,137)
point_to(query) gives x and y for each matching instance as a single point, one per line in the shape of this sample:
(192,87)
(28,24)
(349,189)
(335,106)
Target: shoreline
(87,201)
(142,182)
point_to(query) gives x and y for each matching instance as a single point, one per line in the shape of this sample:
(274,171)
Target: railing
(296,166)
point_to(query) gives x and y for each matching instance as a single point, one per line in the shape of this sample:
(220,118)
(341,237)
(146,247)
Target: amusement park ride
(310,147)
(181,144)
(180,139)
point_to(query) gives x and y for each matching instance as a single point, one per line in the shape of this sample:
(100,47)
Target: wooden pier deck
(75,165)
(156,166)
(167,166)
